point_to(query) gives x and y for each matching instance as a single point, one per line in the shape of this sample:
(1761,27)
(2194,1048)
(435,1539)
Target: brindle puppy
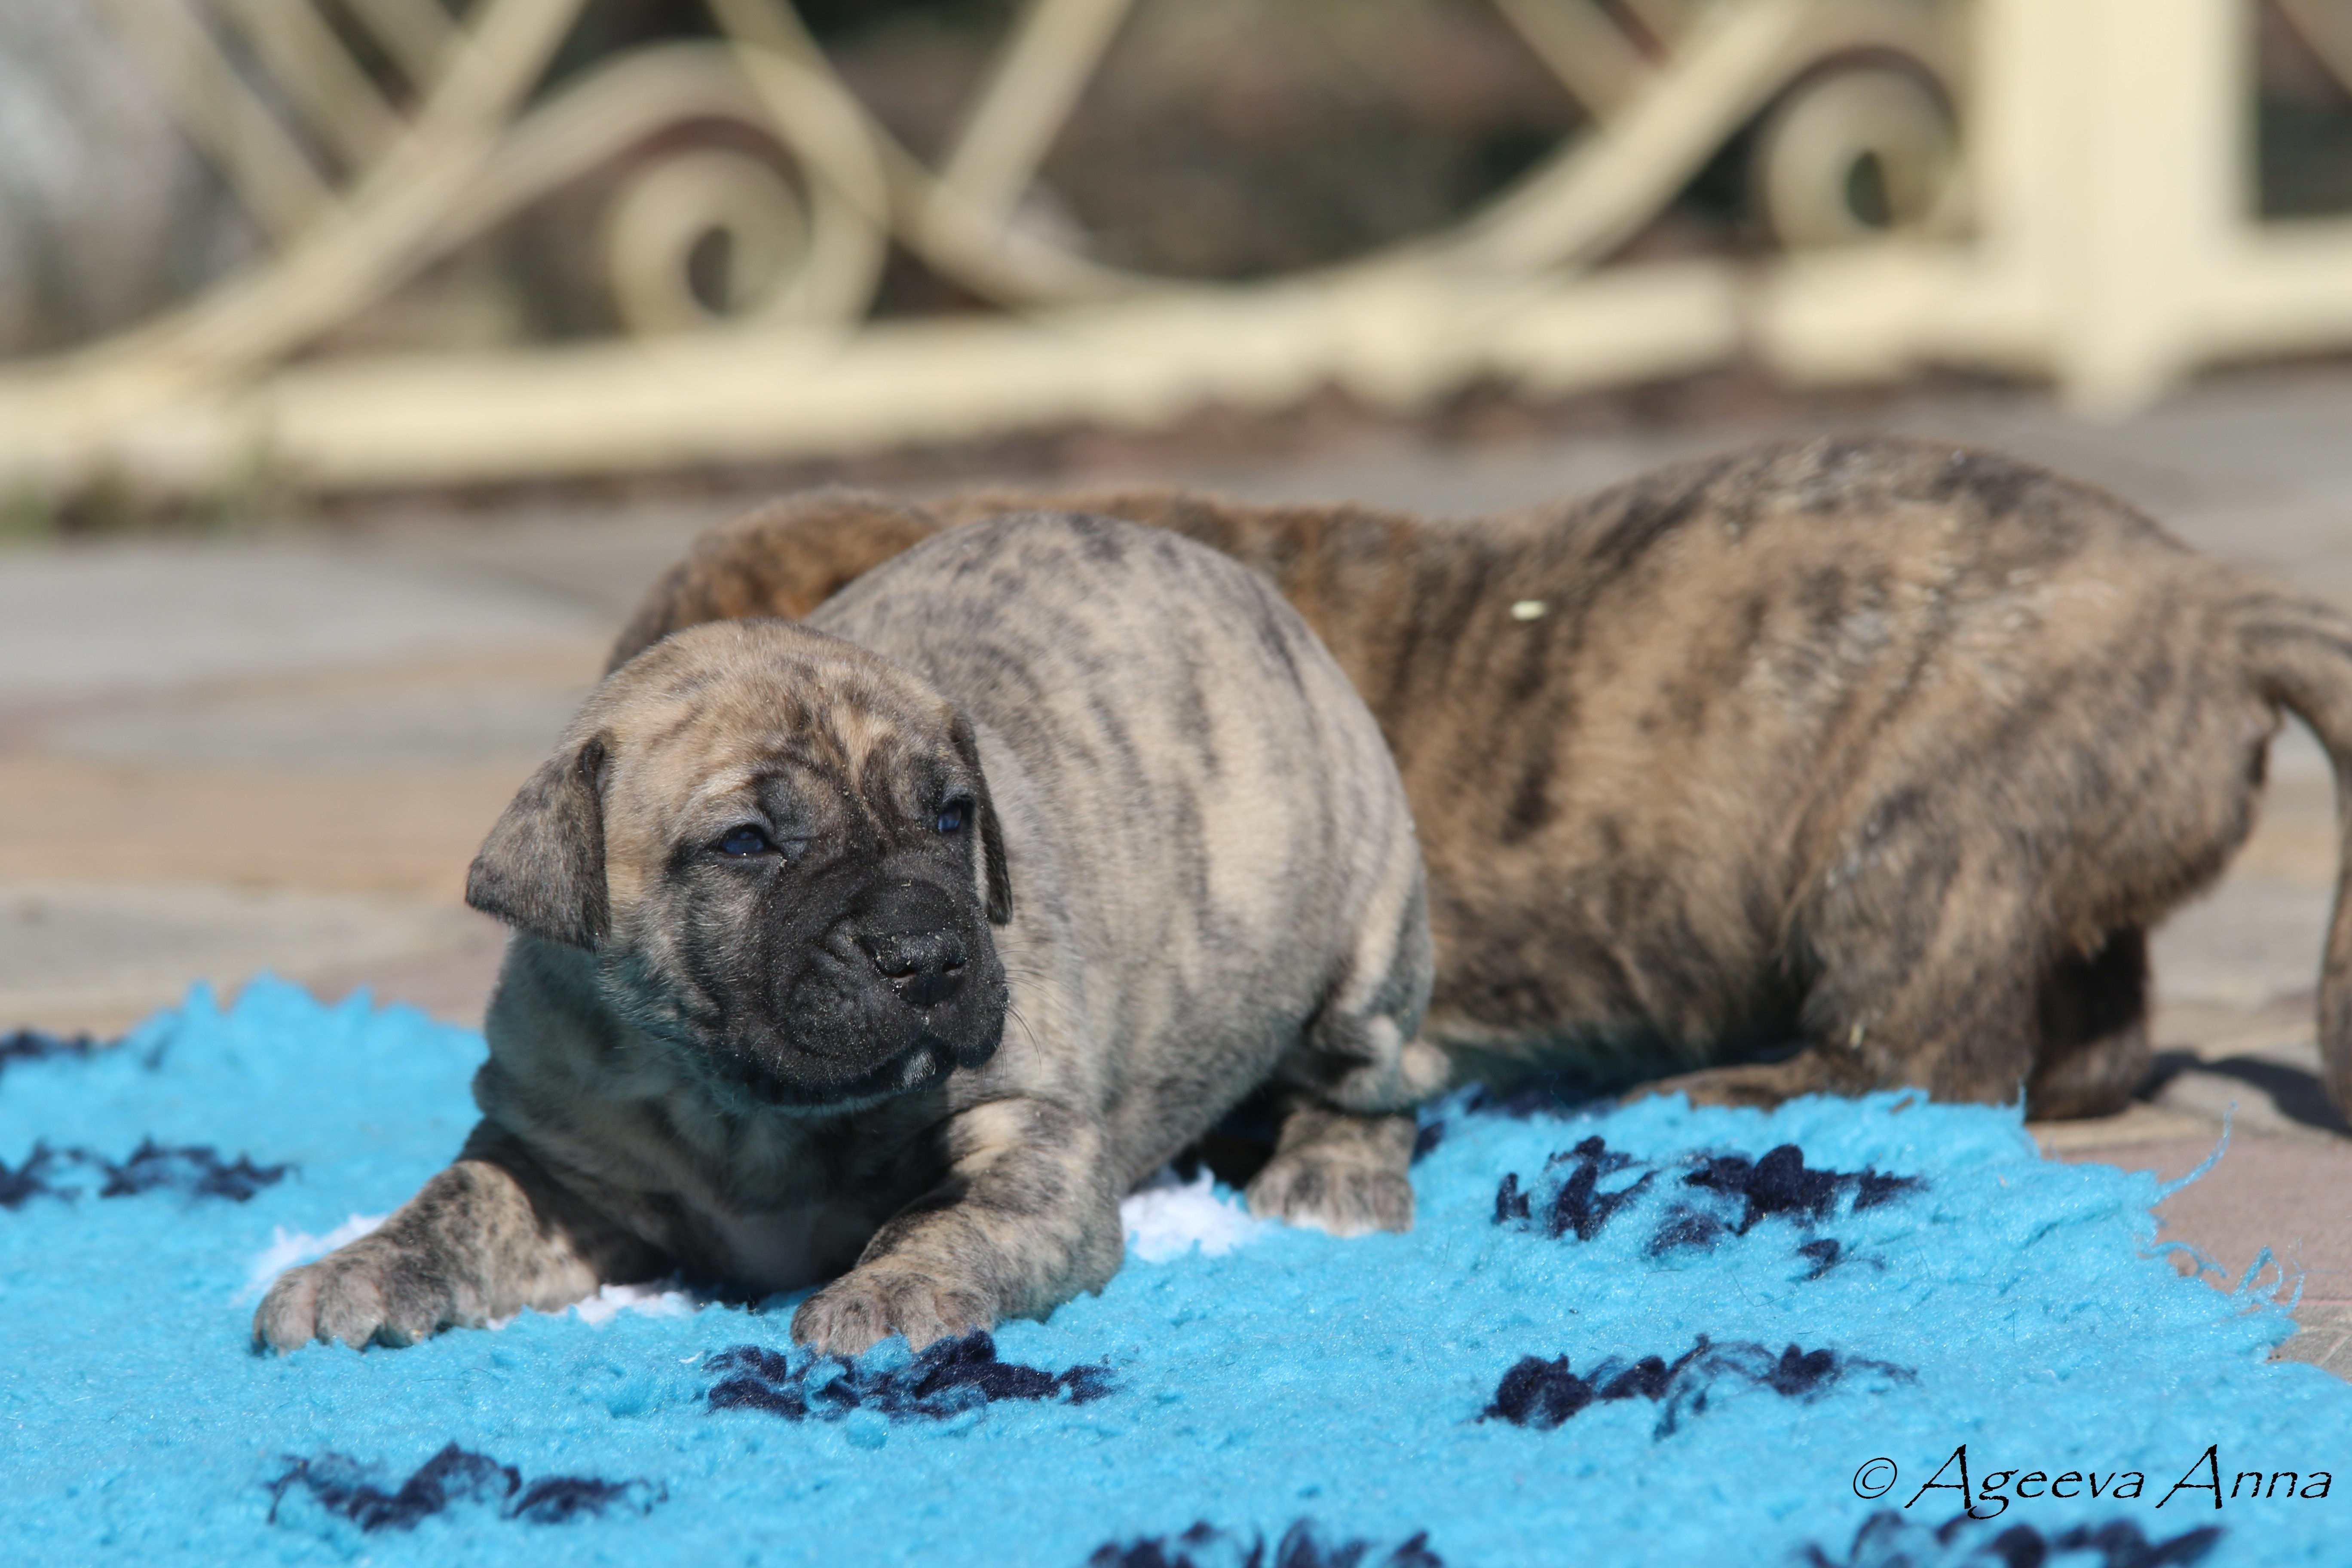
(1887,747)
(905,946)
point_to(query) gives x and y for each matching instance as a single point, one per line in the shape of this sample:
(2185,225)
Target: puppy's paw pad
(866,1305)
(1342,1198)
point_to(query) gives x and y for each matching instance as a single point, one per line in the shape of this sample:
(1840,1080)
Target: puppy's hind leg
(2093,1049)
(1342,1100)
(1926,973)
(1337,1172)
(1932,986)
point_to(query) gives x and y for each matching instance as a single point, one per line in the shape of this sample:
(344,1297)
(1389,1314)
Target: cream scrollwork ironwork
(1863,153)
(1942,176)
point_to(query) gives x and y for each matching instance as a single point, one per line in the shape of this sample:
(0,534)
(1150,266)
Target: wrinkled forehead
(821,724)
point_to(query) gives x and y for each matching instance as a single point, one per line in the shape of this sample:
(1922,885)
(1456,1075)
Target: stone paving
(279,752)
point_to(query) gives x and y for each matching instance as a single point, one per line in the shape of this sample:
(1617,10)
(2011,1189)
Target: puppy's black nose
(925,967)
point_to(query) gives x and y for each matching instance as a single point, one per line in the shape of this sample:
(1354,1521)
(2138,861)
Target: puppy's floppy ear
(542,870)
(991,832)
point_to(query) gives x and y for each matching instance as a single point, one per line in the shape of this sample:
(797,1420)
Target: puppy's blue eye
(742,841)
(950,818)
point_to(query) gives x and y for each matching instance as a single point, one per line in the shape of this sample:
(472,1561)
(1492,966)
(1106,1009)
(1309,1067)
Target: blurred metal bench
(2063,184)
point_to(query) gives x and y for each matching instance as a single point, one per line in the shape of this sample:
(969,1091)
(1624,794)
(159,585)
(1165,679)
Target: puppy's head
(781,850)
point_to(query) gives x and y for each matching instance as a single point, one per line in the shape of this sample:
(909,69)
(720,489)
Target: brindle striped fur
(1195,876)
(1890,747)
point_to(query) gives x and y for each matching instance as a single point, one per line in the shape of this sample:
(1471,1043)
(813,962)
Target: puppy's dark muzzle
(924,967)
(902,986)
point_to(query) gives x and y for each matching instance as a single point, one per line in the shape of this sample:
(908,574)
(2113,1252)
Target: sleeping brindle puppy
(1892,749)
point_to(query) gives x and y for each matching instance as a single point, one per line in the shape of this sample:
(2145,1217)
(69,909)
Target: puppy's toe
(357,1297)
(866,1305)
(351,1307)
(287,1317)
(1343,1197)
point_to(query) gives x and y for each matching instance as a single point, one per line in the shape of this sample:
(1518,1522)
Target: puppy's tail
(2299,654)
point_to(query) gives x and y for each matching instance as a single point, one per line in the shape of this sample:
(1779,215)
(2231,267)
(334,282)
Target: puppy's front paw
(1762,1085)
(866,1306)
(361,1294)
(1342,1196)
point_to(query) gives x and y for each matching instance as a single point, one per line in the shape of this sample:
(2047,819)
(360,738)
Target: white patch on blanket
(655,1299)
(1167,1218)
(292,1249)
(1164,1218)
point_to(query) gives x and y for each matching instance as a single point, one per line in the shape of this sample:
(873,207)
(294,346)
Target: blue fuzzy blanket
(1860,1334)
